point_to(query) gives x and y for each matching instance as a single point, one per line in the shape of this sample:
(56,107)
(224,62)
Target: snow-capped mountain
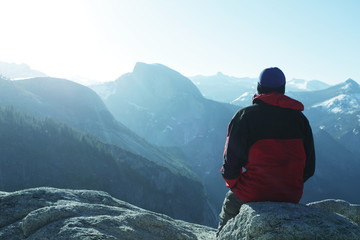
(341,104)
(239,91)
(336,110)
(16,71)
(349,87)
(346,101)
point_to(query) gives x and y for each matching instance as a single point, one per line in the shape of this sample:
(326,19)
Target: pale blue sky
(103,39)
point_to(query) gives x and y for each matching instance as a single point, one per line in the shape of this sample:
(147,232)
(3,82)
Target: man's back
(276,154)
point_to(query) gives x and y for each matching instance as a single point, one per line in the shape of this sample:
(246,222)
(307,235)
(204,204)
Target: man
(269,150)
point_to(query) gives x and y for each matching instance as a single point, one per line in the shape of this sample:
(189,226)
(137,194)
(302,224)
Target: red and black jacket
(269,150)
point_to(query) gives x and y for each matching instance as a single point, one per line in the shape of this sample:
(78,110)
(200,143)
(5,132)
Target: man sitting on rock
(269,150)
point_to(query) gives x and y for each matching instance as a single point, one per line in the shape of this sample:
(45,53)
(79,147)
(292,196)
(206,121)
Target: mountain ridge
(239,91)
(335,109)
(41,97)
(63,100)
(18,71)
(43,152)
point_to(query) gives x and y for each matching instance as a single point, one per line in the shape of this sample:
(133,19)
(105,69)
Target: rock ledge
(271,220)
(49,213)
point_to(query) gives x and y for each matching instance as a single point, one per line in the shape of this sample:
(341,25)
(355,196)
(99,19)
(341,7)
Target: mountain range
(82,110)
(18,71)
(239,91)
(165,108)
(174,131)
(337,111)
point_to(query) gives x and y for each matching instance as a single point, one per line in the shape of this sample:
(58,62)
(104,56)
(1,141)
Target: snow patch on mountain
(343,103)
(299,84)
(296,85)
(244,98)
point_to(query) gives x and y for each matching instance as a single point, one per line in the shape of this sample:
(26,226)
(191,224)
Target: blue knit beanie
(272,78)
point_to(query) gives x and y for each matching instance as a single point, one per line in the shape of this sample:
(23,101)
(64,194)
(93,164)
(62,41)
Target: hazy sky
(103,39)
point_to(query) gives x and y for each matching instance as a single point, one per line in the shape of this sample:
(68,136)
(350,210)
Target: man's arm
(235,151)
(310,153)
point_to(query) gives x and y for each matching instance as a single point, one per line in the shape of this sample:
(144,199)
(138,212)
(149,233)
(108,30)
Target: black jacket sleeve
(310,152)
(235,152)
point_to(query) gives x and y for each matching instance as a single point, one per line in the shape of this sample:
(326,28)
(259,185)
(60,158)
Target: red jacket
(269,151)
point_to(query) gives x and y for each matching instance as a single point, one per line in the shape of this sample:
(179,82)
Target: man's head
(271,80)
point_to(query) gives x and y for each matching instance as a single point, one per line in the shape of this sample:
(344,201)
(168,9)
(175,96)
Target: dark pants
(231,208)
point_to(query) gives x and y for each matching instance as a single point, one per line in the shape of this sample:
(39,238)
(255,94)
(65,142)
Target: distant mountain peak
(344,98)
(305,85)
(350,80)
(154,68)
(141,65)
(351,83)
(162,80)
(350,86)
(16,71)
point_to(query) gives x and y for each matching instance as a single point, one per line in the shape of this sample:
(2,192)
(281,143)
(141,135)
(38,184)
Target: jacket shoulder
(249,110)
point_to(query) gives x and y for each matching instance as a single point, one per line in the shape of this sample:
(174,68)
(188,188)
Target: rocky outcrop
(269,220)
(49,213)
(351,211)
